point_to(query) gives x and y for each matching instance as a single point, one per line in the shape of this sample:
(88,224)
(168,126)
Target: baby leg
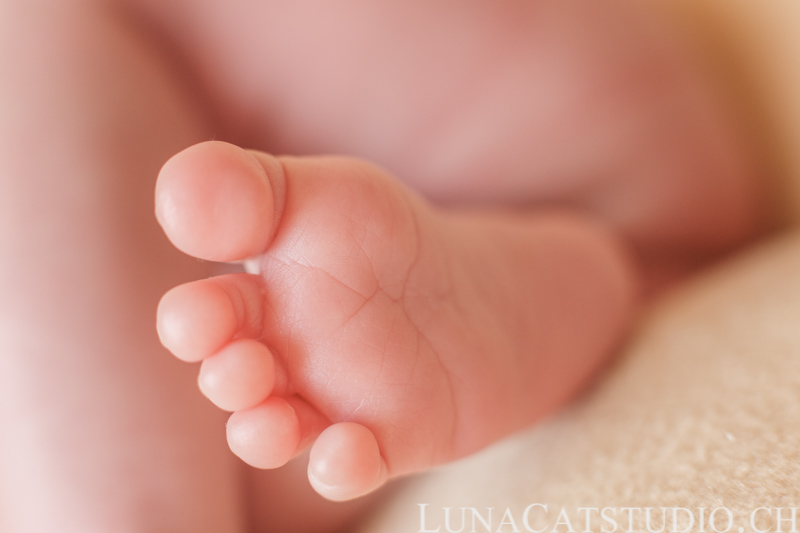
(101,432)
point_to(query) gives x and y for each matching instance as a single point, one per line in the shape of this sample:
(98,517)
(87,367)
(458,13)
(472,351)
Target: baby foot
(386,334)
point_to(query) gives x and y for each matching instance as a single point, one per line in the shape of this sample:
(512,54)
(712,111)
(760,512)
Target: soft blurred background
(756,47)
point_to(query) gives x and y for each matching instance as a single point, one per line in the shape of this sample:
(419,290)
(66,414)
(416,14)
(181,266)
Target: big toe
(217,201)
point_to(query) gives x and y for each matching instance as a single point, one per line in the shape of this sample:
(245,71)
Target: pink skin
(388,358)
(411,336)
(493,105)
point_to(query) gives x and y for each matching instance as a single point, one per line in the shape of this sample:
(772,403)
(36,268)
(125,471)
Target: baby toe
(266,436)
(194,320)
(197,319)
(239,376)
(345,462)
(215,201)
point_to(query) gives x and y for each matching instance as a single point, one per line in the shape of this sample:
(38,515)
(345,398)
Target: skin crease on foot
(388,335)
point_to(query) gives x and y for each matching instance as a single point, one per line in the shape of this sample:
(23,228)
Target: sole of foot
(388,335)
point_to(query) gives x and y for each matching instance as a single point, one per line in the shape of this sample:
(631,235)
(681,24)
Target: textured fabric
(702,410)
